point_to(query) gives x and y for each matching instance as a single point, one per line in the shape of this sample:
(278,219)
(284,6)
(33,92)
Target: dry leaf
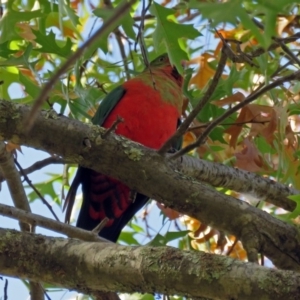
(237,97)
(263,121)
(249,158)
(291,138)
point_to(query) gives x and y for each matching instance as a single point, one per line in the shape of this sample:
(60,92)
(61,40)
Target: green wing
(107,105)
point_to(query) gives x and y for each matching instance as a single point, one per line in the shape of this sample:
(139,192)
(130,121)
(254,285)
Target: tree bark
(149,173)
(92,266)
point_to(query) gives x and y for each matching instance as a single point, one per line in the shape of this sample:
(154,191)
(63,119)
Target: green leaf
(45,188)
(8,76)
(167,33)
(5,51)
(223,12)
(160,240)
(22,60)
(174,235)
(127,237)
(127,22)
(8,22)
(30,88)
(296,212)
(49,44)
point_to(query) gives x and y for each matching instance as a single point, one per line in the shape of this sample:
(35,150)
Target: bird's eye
(162,59)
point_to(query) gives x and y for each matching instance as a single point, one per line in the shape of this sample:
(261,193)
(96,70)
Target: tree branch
(147,172)
(87,267)
(38,220)
(16,189)
(219,175)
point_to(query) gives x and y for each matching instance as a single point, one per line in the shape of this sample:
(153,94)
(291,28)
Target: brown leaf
(290,137)
(249,158)
(263,121)
(237,97)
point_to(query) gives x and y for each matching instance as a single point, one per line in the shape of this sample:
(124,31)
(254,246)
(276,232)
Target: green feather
(107,105)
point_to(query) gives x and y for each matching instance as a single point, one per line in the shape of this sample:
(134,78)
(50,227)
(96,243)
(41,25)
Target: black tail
(85,221)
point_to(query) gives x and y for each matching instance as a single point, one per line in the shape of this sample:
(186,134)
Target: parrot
(150,106)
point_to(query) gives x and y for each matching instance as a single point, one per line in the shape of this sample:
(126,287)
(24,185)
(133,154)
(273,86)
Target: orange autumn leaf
(206,237)
(25,31)
(249,158)
(28,73)
(238,34)
(188,138)
(74,3)
(238,250)
(191,223)
(237,97)
(169,212)
(226,34)
(284,24)
(205,72)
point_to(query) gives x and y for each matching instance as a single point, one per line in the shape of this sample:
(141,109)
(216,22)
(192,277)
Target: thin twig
(38,220)
(229,124)
(219,120)
(206,97)
(232,247)
(100,226)
(113,127)
(5,289)
(39,165)
(36,190)
(288,51)
(118,35)
(107,25)
(286,40)
(140,38)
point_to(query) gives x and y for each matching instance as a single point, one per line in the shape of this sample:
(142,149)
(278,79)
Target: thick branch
(92,266)
(149,173)
(15,186)
(219,175)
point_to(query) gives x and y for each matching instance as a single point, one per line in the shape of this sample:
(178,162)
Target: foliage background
(37,37)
